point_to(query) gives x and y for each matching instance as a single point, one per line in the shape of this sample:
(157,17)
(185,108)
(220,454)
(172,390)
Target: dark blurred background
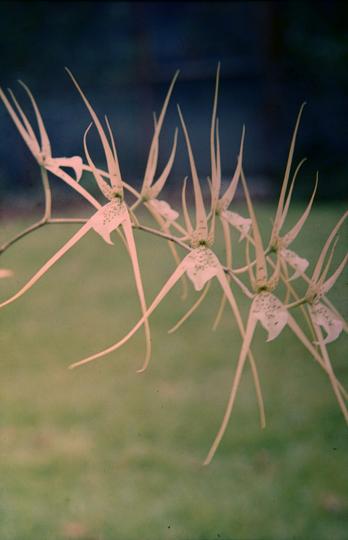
(274,56)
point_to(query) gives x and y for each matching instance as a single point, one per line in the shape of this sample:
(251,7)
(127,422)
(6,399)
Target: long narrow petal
(326,247)
(152,163)
(235,384)
(215,177)
(103,186)
(45,142)
(330,371)
(165,228)
(115,174)
(31,143)
(313,351)
(127,227)
(75,185)
(288,200)
(235,310)
(261,268)
(227,197)
(293,233)
(192,309)
(287,172)
(159,184)
(228,251)
(201,218)
(185,211)
(26,122)
(68,245)
(329,283)
(163,292)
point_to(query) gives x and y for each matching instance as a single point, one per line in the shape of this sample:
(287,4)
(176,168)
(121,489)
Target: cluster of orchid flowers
(258,280)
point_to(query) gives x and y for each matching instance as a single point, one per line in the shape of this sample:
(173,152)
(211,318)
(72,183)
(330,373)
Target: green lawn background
(103,453)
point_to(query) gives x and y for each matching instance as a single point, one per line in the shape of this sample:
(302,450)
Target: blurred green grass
(102,453)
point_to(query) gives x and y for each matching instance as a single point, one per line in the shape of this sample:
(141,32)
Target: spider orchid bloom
(320,285)
(280,243)
(273,316)
(221,204)
(200,265)
(107,219)
(42,150)
(5,273)
(150,190)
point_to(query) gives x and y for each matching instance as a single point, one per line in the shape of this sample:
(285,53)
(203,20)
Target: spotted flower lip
(202,265)
(109,217)
(270,312)
(324,317)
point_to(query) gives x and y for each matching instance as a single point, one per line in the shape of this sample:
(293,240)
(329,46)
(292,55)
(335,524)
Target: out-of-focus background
(103,453)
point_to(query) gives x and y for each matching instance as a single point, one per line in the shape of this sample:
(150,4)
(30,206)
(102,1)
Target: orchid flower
(320,285)
(273,316)
(41,150)
(200,265)
(107,218)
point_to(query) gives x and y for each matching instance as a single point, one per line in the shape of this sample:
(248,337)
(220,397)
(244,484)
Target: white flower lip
(271,313)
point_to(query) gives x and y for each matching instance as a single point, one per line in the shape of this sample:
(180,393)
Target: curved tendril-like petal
(115,174)
(322,316)
(290,236)
(108,218)
(214,153)
(201,218)
(329,283)
(312,350)
(227,197)
(68,245)
(233,304)
(164,210)
(295,261)
(261,268)
(127,228)
(330,371)
(165,227)
(5,273)
(152,159)
(103,186)
(75,185)
(163,292)
(201,265)
(288,199)
(31,143)
(325,249)
(185,211)
(45,142)
(26,122)
(271,313)
(158,185)
(235,384)
(116,169)
(228,251)
(287,172)
(192,309)
(240,223)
